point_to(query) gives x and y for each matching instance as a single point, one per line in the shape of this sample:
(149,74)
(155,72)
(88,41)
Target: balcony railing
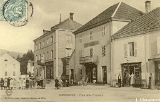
(68,45)
(88,59)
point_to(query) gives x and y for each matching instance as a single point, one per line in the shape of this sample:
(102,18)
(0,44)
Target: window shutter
(158,45)
(135,49)
(125,50)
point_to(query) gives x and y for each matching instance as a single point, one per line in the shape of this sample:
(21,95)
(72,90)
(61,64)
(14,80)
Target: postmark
(15,12)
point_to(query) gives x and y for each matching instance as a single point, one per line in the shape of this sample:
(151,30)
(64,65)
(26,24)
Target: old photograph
(79,50)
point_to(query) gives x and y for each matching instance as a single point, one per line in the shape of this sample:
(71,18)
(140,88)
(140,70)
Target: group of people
(21,83)
(59,83)
(7,83)
(128,80)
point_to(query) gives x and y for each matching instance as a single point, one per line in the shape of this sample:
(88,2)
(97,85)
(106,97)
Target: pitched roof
(67,24)
(117,11)
(143,24)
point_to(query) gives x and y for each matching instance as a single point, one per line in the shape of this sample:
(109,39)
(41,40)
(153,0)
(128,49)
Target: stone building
(93,43)
(136,49)
(10,67)
(53,50)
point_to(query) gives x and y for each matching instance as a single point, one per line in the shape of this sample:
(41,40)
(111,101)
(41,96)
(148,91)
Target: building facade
(93,43)
(9,67)
(53,49)
(135,49)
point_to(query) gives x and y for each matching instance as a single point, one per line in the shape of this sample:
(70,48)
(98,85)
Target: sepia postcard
(79,51)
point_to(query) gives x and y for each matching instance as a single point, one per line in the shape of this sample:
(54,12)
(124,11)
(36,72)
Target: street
(89,93)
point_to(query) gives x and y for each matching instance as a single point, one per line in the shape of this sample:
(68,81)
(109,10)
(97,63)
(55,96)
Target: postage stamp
(14,12)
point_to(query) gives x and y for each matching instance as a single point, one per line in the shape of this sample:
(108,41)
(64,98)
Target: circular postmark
(15,12)
(9,92)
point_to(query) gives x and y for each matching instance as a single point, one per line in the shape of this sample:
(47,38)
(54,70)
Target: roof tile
(148,21)
(123,11)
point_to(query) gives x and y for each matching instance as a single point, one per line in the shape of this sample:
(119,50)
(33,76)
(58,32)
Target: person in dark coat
(41,83)
(2,83)
(8,83)
(56,83)
(119,80)
(124,79)
(27,83)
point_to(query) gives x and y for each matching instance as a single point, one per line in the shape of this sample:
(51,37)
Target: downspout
(111,56)
(57,32)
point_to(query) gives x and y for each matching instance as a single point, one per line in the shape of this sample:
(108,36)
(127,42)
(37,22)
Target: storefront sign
(93,43)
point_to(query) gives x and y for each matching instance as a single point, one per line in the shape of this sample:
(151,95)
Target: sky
(46,14)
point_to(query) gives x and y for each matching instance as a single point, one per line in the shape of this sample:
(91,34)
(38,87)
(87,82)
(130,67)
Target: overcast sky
(46,14)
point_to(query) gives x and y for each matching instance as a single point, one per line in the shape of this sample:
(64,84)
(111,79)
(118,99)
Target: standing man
(119,80)
(2,83)
(150,81)
(56,83)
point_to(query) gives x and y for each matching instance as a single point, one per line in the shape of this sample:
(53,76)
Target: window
(80,53)
(47,56)
(14,74)
(91,52)
(51,39)
(103,31)
(69,39)
(36,47)
(91,35)
(103,51)
(68,52)
(40,45)
(43,44)
(80,38)
(47,42)
(43,57)
(36,58)
(130,49)
(5,73)
(51,54)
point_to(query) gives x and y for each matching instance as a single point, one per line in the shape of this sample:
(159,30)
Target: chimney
(71,16)
(60,19)
(148,6)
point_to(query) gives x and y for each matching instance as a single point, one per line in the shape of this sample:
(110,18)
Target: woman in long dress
(5,83)
(24,84)
(11,83)
(132,79)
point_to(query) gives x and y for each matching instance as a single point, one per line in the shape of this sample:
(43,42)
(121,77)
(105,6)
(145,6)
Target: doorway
(129,68)
(91,72)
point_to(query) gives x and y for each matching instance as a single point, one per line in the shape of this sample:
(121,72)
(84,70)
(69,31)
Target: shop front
(131,74)
(91,72)
(49,70)
(90,67)
(156,61)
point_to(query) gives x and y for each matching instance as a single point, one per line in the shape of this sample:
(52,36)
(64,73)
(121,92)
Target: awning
(156,58)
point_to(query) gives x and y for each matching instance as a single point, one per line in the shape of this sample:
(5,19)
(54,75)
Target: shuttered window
(158,45)
(125,50)
(91,52)
(130,49)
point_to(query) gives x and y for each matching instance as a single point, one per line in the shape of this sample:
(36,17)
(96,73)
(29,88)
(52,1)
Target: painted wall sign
(93,43)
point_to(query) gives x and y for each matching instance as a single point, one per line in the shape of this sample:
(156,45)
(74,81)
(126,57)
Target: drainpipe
(57,52)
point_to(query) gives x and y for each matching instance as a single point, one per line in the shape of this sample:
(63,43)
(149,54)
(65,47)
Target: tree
(24,61)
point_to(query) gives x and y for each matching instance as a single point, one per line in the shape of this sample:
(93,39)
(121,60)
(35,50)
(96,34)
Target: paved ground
(89,93)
